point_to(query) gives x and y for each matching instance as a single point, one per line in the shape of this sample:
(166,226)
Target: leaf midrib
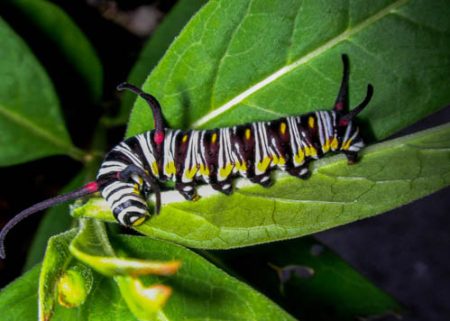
(33,128)
(306,58)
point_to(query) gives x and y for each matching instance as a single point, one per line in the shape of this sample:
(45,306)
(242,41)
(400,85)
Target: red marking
(91,187)
(343,122)
(118,175)
(339,106)
(159,137)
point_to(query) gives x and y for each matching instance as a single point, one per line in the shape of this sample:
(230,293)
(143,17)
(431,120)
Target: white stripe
(320,127)
(125,150)
(108,189)
(147,149)
(126,199)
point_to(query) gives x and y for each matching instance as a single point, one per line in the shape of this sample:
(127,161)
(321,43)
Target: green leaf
(52,21)
(389,175)
(18,301)
(239,61)
(332,290)
(30,119)
(56,261)
(155,48)
(200,291)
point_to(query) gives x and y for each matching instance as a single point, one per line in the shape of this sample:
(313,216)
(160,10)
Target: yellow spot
(136,189)
(262,166)
(196,197)
(310,151)
(334,144)
(326,146)
(190,173)
(171,169)
(275,159)
(283,127)
(214,138)
(248,133)
(155,168)
(281,161)
(346,144)
(299,158)
(185,137)
(241,166)
(224,172)
(204,170)
(139,221)
(311,122)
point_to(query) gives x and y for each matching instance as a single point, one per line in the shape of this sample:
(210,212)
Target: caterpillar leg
(301,172)
(132,170)
(352,157)
(187,190)
(225,187)
(263,180)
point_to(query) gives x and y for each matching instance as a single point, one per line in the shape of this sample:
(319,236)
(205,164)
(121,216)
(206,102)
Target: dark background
(405,251)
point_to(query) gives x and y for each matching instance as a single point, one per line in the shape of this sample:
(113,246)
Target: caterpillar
(134,168)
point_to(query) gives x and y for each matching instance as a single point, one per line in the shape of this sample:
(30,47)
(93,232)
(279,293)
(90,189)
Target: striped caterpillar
(133,169)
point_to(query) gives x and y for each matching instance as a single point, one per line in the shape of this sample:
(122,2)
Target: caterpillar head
(347,131)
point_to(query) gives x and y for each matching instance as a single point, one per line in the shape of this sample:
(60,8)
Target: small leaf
(155,48)
(56,261)
(30,119)
(92,247)
(389,175)
(308,280)
(144,302)
(51,20)
(241,60)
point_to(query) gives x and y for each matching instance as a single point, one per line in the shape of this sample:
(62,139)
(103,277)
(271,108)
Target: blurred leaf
(155,48)
(200,291)
(51,20)
(389,175)
(240,61)
(330,290)
(55,221)
(30,119)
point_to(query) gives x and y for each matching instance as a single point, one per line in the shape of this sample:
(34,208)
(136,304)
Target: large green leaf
(155,48)
(52,21)
(245,60)
(308,280)
(30,120)
(200,292)
(389,175)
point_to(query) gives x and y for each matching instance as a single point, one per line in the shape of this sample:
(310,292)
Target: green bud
(74,286)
